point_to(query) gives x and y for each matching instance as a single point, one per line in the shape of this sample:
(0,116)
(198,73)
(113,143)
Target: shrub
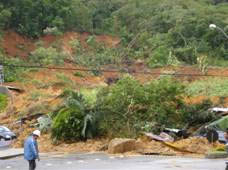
(96,55)
(128,105)
(159,57)
(64,78)
(198,114)
(165,100)
(47,56)
(68,124)
(5,15)
(12,73)
(44,123)
(73,120)
(78,74)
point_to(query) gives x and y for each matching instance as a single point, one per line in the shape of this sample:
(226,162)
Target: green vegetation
(90,95)
(125,109)
(64,80)
(78,74)
(96,55)
(39,84)
(12,73)
(151,30)
(132,107)
(36,95)
(209,87)
(47,56)
(197,114)
(3,102)
(74,119)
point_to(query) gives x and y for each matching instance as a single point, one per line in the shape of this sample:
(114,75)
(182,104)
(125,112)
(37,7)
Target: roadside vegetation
(126,109)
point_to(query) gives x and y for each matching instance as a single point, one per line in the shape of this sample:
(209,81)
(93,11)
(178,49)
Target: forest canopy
(162,27)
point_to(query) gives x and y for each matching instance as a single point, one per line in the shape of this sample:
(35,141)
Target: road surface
(4,143)
(106,162)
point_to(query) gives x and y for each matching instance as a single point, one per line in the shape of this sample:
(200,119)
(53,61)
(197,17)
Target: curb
(11,156)
(10,153)
(216,155)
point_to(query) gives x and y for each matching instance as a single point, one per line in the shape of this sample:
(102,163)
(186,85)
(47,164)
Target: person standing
(31,151)
(226,135)
(226,145)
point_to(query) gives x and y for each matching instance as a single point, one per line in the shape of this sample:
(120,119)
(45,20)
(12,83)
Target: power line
(115,71)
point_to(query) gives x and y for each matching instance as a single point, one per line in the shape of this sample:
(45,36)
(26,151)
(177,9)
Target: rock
(5,90)
(103,147)
(111,80)
(139,62)
(120,145)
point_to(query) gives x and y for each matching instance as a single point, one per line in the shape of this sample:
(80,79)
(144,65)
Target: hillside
(139,65)
(42,87)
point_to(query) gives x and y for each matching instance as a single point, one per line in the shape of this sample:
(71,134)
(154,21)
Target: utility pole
(1,75)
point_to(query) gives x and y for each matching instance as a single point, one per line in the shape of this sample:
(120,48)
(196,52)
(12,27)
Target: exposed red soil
(48,40)
(16,45)
(214,99)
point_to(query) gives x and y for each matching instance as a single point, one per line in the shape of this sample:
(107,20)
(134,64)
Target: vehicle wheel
(226,167)
(1,138)
(212,136)
(173,135)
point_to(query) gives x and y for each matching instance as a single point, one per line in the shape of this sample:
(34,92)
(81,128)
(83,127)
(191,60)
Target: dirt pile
(22,132)
(198,145)
(153,147)
(192,145)
(46,143)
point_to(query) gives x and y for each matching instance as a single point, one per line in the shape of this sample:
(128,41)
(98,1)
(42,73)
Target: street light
(213,26)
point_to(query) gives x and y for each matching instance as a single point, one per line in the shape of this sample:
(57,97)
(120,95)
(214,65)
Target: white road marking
(69,162)
(48,164)
(81,161)
(112,157)
(97,159)
(8,167)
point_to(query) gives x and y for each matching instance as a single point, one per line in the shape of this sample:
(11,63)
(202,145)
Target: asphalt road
(105,162)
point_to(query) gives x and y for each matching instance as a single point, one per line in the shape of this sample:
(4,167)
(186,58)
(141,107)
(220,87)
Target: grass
(63,78)
(3,102)
(79,74)
(217,62)
(39,84)
(209,87)
(36,95)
